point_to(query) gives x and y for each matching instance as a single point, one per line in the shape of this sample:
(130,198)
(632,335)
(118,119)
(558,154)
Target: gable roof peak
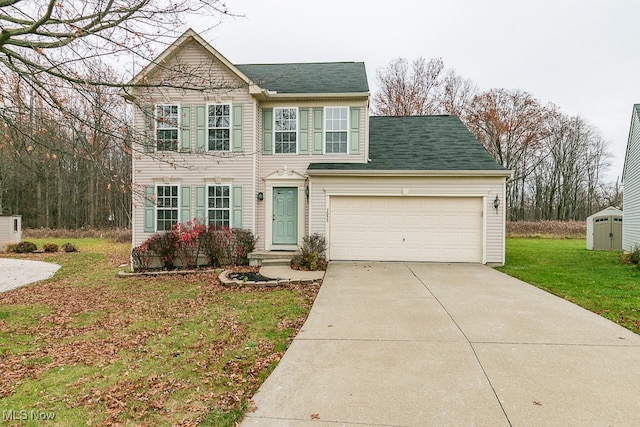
(186,37)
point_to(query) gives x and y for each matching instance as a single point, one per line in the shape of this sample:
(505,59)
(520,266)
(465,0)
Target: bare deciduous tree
(63,130)
(409,90)
(512,126)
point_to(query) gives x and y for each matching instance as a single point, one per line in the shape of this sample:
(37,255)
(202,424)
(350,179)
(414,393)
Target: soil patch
(249,276)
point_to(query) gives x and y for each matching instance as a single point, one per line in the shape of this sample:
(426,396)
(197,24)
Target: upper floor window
(166,206)
(336,129)
(167,127)
(219,206)
(285,129)
(219,127)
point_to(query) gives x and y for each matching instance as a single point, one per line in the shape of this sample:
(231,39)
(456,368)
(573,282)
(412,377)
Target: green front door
(285,216)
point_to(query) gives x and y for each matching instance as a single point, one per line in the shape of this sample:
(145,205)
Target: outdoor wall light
(306,192)
(260,195)
(496,203)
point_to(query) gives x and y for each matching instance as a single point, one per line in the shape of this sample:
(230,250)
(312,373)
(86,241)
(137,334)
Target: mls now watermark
(27,415)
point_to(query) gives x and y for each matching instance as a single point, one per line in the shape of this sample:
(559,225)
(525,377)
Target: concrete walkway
(411,344)
(17,272)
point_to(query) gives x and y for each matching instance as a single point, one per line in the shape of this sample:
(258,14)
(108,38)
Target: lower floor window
(166,206)
(219,206)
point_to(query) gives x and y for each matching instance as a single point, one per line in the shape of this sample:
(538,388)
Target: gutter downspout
(254,184)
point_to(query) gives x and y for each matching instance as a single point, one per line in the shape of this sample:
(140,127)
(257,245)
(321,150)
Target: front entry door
(285,216)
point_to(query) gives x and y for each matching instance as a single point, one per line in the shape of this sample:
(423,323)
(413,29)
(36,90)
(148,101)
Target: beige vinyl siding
(311,105)
(268,164)
(631,183)
(486,187)
(197,169)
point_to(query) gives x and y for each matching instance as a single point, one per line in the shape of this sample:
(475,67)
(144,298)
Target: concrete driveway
(15,273)
(413,344)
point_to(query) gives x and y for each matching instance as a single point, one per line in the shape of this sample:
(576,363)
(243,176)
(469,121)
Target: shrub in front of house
(50,248)
(227,246)
(244,244)
(312,253)
(165,246)
(191,245)
(141,257)
(633,256)
(23,247)
(70,247)
(188,242)
(216,244)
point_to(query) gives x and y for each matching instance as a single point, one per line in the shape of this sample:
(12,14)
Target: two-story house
(287,150)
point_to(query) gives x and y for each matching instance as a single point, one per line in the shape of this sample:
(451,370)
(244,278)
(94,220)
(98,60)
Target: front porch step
(258,258)
(276,262)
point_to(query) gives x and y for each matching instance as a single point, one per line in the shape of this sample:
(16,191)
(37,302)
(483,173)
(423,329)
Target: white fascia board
(327,172)
(341,95)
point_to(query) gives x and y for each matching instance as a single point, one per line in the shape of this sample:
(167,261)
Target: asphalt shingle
(434,143)
(320,77)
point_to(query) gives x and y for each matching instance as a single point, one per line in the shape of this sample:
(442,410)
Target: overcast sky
(581,55)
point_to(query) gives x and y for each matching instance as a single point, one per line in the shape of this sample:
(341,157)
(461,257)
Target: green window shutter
(303,144)
(185,204)
(267,131)
(185,126)
(355,131)
(237,127)
(148,135)
(149,209)
(318,126)
(201,204)
(201,127)
(236,214)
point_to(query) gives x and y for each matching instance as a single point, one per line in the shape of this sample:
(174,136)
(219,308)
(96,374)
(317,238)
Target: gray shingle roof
(421,143)
(320,77)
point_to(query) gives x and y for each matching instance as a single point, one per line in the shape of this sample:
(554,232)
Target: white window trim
(207,128)
(170,184)
(222,184)
(297,130)
(155,121)
(324,129)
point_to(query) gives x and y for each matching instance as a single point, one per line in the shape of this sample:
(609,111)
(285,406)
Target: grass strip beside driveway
(595,280)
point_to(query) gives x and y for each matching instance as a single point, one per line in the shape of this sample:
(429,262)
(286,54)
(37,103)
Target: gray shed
(10,230)
(604,230)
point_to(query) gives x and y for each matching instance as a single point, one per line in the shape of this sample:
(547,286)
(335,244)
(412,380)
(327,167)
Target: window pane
(167,116)
(166,206)
(336,126)
(167,127)
(218,122)
(285,126)
(218,139)
(219,204)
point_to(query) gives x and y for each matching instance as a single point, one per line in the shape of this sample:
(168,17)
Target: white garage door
(441,229)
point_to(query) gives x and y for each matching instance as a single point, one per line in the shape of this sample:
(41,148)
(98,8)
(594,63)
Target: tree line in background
(558,161)
(64,168)
(65,137)
(66,140)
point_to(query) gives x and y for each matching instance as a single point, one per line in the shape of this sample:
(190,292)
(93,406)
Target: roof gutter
(430,173)
(269,95)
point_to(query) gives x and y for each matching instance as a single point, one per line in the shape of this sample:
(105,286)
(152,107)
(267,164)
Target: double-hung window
(219,127)
(219,206)
(336,129)
(166,207)
(167,127)
(285,130)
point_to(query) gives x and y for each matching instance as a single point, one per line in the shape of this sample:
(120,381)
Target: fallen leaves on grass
(99,325)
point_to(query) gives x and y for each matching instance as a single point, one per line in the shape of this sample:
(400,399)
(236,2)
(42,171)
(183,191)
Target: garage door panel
(443,229)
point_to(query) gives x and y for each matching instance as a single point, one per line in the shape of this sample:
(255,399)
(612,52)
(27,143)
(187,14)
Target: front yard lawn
(95,349)
(595,280)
